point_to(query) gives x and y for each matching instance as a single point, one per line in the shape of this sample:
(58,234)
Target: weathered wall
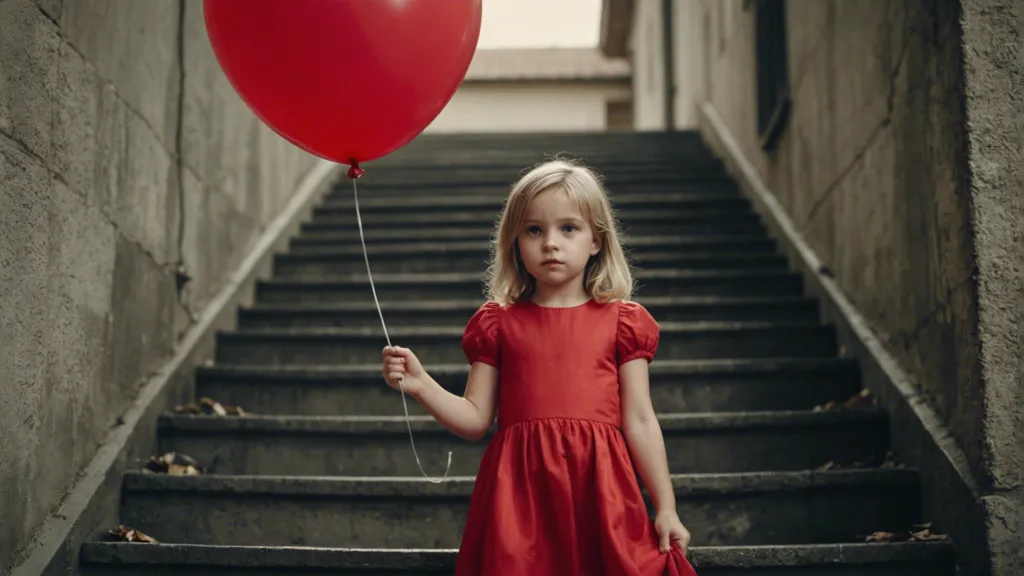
(534,106)
(873,168)
(98,100)
(870,168)
(994,74)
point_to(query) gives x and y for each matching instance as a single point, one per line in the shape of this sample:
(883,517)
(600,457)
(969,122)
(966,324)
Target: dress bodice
(559,362)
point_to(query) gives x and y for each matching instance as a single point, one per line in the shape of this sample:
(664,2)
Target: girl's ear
(596,245)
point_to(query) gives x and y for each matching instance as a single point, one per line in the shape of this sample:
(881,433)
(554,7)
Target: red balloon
(345,79)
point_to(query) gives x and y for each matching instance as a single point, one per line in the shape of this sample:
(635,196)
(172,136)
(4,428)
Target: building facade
(540,90)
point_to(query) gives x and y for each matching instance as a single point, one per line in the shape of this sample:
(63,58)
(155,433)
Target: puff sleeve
(480,339)
(637,334)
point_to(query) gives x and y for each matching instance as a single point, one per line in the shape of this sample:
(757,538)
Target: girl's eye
(569,227)
(533,229)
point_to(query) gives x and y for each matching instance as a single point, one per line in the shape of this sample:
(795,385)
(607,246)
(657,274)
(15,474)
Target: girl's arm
(468,416)
(647,445)
(643,434)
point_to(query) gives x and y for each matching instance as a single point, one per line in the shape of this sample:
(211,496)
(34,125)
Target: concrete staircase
(319,478)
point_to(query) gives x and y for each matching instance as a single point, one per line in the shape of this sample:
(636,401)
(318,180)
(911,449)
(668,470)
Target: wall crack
(890,108)
(890,103)
(905,336)
(849,167)
(58,177)
(181,273)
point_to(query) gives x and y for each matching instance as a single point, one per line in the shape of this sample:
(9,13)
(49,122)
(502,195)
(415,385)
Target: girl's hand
(400,364)
(671,531)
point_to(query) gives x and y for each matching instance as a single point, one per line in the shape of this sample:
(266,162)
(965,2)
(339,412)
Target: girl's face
(556,241)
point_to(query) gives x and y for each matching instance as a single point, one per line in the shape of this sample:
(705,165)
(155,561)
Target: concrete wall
(873,168)
(691,26)
(533,106)
(994,106)
(98,100)
(645,48)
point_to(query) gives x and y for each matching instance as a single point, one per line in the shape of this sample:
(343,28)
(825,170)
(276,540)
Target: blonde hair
(608,275)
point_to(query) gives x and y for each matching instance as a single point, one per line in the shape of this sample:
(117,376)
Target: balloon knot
(354,170)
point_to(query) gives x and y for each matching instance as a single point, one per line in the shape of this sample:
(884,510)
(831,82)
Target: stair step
(346,232)
(321,263)
(379,446)
(619,144)
(614,169)
(504,176)
(332,244)
(462,285)
(121,559)
(442,344)
(519,154)
(718,509)
(319,476)
(458,312)
(676,386)
(381,187)
(609,161)
(673,203)
(649,221)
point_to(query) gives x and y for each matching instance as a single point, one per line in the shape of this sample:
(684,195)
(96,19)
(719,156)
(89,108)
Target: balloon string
(354,173)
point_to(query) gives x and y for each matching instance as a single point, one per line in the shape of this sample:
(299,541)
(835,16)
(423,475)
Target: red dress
(556,494)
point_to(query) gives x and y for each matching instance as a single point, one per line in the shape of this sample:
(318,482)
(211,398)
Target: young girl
(562,354)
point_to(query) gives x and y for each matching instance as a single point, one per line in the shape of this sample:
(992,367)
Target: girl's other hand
(400,364)
(671,531)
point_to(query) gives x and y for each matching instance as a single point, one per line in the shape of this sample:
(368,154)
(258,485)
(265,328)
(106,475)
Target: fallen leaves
(842,465)
(920,533)
(863,400)
(126,534)
(174,464)
(871,462)
(209,407)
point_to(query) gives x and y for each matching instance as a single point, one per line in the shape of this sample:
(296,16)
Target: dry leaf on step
(178,470)
(927,536)
(862,400)
(212,407)
(209,407)
(859,401)
(844,465)
(126,534)
(174,464)
(190,408)
(881,536)
(922,533)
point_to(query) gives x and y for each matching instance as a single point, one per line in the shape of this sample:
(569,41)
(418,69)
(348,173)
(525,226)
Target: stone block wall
(125,157)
